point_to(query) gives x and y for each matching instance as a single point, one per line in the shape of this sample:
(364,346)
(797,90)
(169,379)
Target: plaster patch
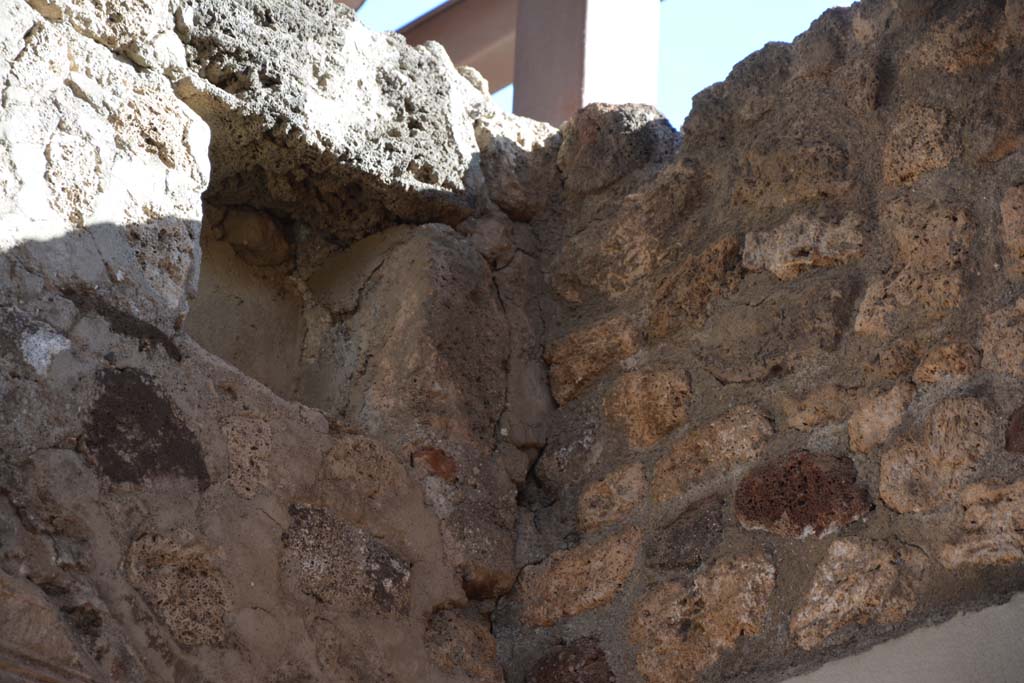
(40,347)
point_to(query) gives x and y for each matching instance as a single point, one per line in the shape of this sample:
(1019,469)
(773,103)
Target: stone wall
(316,367)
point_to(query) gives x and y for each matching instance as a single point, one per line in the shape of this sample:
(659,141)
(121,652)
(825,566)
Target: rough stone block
(859,582)
(577,359)
(250,443)
(801,243)
(689,540)
(577,580)
(824,405)
(877,416)
(801,495)
(955,362)
(136,435)
(1012,231)
(341,565)
(928,235)
(1002,340)
(183,586)
(648,404)
(712,449)
(612,498)
(581,661)
(992,527)
(919,141)
(682,629)
(602,143)
(689,290)
(781,172)
(460,642)
(928,472)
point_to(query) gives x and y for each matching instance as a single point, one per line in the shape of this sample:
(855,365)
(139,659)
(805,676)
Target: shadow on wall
(150,494)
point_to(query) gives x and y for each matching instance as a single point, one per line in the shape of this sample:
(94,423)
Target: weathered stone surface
(821,406)
(182,585)
(338,564)
(613,498)
(925,473)
(80,132)
(928,235)
(358,468)
(682,629)
(961,43)
(1012,231)
(517,156)
(250,446)
(689,540)
(612,253)
(1015,431)
(877,416)
(460,642)
(581,356)
(573,581)
(801,495)
(803,242)
(690,289)
(777,332)
(36,634)
(712,449)
(648,404)
(951,362)
(135,435)
(329,140)
(582,661)
(351,491)
(888,304)
(920,141)
(858,582)
(783,170)
(255,237)
(605,142)
(992,528)
(1002,340)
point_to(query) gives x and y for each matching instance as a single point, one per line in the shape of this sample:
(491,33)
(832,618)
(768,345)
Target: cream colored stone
(926,473)
(877,416)
(992,528)
(859,582)
(803,242)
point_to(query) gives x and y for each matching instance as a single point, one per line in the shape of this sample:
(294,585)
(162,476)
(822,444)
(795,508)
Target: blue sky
(700,40)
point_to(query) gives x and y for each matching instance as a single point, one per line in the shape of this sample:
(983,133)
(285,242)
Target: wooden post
(570,53)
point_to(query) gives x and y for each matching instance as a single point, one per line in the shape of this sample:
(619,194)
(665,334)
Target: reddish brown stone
(582,661)
(802,494)
(437,462)
(1015,431)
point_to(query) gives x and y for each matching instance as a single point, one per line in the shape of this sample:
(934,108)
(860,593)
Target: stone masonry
(315,366)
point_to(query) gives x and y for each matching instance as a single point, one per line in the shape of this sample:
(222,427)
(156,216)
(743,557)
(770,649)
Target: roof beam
(480,33)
